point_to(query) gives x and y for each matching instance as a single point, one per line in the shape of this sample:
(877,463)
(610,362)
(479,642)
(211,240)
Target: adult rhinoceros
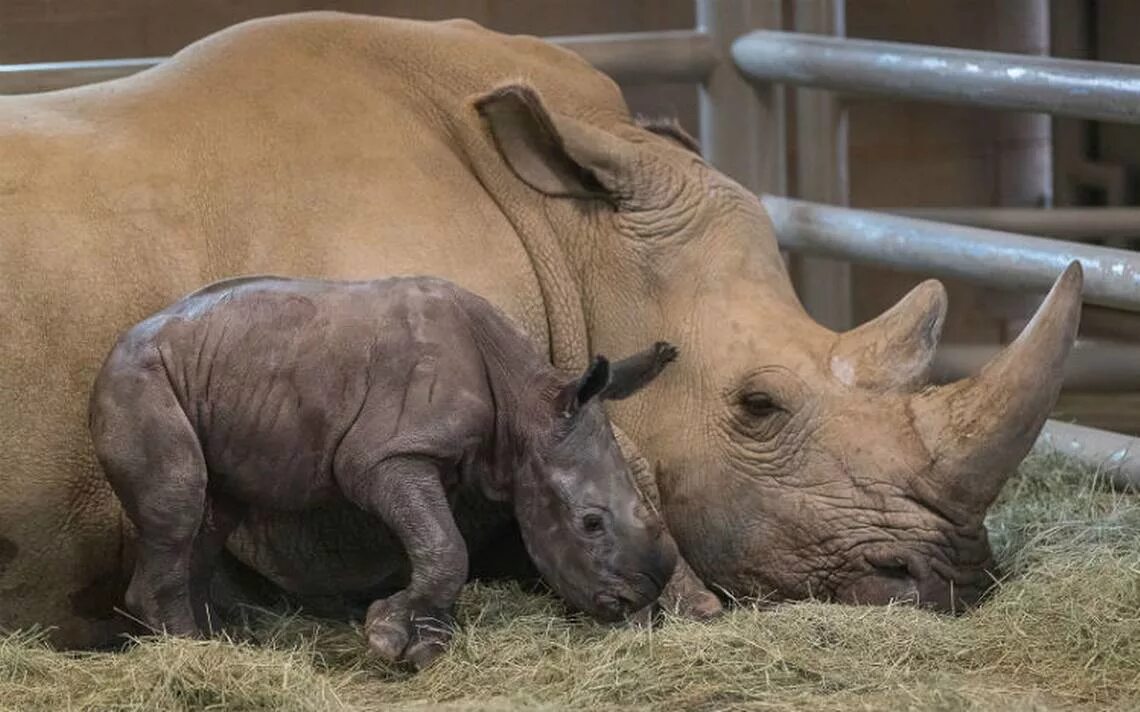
(791,460)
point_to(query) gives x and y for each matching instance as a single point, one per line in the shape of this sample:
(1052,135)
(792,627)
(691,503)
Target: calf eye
(759,405)
(593,524)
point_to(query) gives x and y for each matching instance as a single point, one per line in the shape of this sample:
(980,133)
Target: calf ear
(630,375)
(556,155)
(590,384)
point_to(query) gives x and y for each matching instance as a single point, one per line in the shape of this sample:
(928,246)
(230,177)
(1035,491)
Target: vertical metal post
(823,285)
(742,129)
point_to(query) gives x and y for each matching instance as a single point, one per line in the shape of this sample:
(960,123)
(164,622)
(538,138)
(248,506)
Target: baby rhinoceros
(408,397)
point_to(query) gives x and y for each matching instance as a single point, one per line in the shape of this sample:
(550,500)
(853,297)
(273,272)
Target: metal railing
(986,257)
(1061,87)
(634,58)
(1065,223)
(741,64)
(1092,367)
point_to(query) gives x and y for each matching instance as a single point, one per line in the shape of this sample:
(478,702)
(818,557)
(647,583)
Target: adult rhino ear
(554,154)
(630,375)
(577,393)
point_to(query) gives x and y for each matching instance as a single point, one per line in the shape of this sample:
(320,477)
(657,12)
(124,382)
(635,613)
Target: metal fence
(742,61)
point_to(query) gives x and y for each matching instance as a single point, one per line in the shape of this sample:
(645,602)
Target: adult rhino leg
(155,465)
(684,595)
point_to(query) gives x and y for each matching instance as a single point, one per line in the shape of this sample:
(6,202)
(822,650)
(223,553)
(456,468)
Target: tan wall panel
(1117,25)
(921,154)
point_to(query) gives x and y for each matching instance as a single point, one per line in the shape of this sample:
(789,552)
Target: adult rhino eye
(593,524)
(759,405)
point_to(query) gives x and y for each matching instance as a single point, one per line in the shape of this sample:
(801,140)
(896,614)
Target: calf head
(590,533)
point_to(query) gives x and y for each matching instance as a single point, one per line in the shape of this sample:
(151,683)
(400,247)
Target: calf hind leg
(152,459)
(222,515)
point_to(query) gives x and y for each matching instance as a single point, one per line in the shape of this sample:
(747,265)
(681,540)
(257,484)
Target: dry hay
(1063,632)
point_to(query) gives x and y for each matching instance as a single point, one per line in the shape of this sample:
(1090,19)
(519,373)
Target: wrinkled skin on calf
(411,399)
(788,460)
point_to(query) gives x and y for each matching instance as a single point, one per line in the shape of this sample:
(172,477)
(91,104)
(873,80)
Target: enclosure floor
(1062,631)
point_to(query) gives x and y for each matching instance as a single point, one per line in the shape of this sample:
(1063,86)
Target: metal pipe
(1091,366)
(1062,87)
(632,58)
(998,259)
(1112,454)
(49,76)
(1064,223)
(647,57)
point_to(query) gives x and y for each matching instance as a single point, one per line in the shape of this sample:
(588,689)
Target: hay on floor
(1062,632)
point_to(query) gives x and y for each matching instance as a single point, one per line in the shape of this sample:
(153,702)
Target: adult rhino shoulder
(354,147)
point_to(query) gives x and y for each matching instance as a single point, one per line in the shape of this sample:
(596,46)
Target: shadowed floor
(1063,632)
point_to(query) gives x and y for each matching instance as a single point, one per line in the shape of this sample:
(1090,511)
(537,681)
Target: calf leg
(222,516)
(415,624)
(154,463)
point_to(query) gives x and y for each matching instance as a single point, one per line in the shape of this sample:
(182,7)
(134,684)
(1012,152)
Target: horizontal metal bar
(647,57)
(49,76)
(1063,87)
(1093,366)
(1115,455)
(632,58)
(1065,223)
(1003,260)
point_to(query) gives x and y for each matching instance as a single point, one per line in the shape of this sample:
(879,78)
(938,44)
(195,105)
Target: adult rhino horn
(978,429)
(895,349)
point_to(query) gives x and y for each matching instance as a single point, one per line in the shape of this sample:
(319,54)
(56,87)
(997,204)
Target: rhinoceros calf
(411,398)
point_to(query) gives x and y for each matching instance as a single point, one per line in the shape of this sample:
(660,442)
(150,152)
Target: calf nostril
(612,605)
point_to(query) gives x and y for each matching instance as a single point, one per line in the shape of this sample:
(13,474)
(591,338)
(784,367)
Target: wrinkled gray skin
(412,399)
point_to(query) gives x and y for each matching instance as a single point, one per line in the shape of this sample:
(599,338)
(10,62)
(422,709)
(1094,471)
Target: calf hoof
(398,631)
(643,618)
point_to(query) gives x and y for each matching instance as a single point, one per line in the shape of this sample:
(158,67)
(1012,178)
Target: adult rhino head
(792,461)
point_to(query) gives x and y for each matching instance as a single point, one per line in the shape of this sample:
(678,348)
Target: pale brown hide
(336,146)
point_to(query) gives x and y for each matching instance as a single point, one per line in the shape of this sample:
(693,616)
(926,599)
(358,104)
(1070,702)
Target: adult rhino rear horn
(896,349)
(978,429)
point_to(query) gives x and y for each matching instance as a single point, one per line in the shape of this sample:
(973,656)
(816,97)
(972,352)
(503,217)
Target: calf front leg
(417,623)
